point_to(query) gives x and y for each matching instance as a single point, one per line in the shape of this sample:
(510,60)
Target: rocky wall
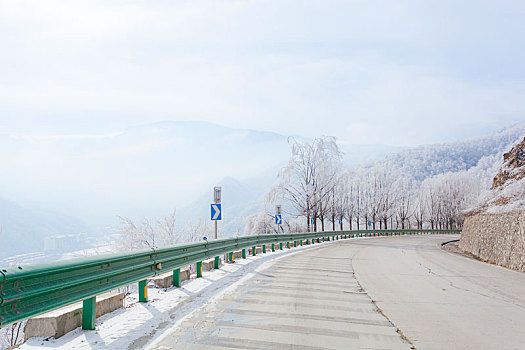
(498,238)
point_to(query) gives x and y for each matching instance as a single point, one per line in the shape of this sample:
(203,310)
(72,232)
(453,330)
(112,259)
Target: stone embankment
(496,237)
(495,230)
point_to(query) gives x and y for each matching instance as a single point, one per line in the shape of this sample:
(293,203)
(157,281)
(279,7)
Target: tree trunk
(308,223)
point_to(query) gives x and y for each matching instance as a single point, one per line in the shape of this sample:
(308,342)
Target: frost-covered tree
(404,201)
(260,223)
(309,178)
(420,208)
(447,195)
(150,233)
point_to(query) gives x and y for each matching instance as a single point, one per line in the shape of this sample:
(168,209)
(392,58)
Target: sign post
(278,217)
(216,210)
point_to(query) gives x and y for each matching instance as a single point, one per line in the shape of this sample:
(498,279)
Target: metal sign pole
(217,200)
(278,217)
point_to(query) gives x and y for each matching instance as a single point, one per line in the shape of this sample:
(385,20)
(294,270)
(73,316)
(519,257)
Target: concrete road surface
(308,300)
(441,300)
(323,298)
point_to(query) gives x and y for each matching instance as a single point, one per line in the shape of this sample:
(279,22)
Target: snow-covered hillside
(508,188)
(429,160)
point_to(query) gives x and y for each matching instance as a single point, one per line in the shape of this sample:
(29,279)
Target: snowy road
(310,300)
(325,297)
(439,300)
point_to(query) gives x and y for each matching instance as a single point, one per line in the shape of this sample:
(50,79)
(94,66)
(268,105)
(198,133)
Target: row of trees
(316,189)
(317,193)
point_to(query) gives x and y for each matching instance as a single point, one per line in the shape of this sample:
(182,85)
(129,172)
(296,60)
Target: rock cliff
(494,230)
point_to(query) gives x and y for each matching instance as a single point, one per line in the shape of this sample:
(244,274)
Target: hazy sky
(398,72)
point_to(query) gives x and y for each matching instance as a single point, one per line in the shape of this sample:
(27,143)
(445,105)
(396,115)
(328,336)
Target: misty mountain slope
(239,200)
(429,160)
(140,171)
(24,229)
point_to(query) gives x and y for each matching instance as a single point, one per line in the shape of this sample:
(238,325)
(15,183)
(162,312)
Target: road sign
(217,194)
(278,209)
(216,213)
(370,223)
(205,238)
(278,219)
(312,220)
(340,221)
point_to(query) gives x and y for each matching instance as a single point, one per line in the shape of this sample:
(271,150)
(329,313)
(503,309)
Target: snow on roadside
(138,323)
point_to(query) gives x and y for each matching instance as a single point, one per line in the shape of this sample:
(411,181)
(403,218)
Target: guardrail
(27,291)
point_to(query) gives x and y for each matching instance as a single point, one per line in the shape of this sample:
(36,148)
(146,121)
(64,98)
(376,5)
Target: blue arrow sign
(340,221)
(312,220)
(370,223)
(216,213)
(278,219)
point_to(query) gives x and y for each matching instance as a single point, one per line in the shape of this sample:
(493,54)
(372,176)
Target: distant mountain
(24,229)
(429,160)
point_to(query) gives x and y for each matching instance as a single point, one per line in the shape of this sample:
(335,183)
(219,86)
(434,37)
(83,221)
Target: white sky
(397,72)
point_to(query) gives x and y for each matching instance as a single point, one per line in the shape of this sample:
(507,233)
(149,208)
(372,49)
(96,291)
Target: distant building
(64,243)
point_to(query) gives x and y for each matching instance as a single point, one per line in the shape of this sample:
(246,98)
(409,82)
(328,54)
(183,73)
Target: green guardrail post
(254,250)
(318,240)
(89,313)
(199,269)
(143,291)
(216,262)
(244,253)
(287,244)
(231,257)
(264,248)
(176,278)
(295,243)
(273,247)
(281,246)
(301,242)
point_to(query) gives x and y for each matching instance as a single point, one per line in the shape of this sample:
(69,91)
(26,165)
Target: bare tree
(146,234)
(309,178)
(420,208)
(167,230)
(404,207)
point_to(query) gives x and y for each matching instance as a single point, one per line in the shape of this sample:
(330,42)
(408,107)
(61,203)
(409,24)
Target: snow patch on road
(138,323)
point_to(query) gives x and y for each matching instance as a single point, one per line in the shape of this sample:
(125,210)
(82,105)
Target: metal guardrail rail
(27,291)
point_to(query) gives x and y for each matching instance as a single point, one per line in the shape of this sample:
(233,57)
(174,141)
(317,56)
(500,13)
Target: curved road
(326,297)
(442,300)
